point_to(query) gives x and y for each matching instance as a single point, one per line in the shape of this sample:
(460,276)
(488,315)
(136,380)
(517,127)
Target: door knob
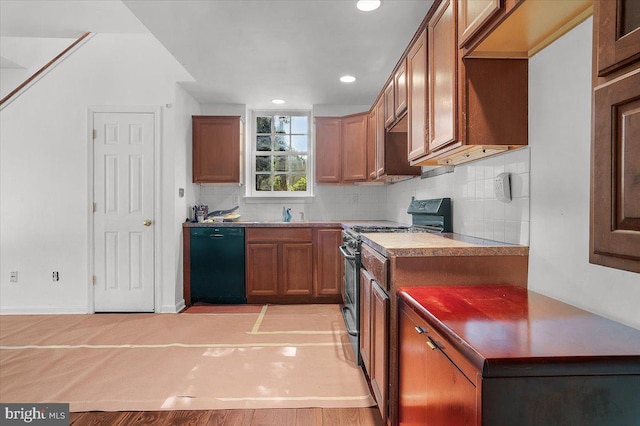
(147,222)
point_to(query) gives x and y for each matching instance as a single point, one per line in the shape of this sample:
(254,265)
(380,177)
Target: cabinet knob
(431,345)
(420,330)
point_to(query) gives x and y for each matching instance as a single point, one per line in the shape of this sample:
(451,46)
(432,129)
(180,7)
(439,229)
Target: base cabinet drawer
(433,389)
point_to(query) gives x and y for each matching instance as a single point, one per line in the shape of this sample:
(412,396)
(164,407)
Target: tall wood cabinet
(216,149)
(615,155)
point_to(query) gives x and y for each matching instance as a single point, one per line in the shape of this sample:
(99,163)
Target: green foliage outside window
(281,144)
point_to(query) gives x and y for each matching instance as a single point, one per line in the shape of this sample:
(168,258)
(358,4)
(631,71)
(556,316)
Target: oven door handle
(345,254)
(344,315)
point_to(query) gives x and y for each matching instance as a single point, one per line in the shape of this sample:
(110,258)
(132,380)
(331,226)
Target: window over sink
(280,154)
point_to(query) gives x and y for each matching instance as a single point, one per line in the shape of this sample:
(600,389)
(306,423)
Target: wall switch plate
(13,277)
(502,187)
(181,192)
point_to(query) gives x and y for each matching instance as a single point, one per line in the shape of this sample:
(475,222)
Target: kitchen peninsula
(505,355)
(394,260)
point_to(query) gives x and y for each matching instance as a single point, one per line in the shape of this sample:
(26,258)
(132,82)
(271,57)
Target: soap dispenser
(286,214)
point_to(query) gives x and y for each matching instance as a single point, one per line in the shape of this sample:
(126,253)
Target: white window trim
(253,196)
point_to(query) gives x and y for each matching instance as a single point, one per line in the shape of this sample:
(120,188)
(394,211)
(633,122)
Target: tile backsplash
(476,211)
(330,203)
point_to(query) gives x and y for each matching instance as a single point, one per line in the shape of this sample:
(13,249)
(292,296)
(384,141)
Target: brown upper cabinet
(400,89)
(516,28)
(354,148)
(395,96)
(388,149)
(328,147)
(619,34)
(389,105)
(467,115)
(380,132)
(456,111)
(418,144)
(371,143)
(216,149)
(341,148)
(615,154)
(442,76)
(472,16)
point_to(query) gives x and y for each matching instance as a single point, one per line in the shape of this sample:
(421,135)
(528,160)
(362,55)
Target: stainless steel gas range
(433,216)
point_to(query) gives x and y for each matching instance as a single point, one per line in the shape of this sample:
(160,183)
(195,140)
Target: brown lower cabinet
(502,355)
(433,389)
(375,337)
(382,274)
(293,265)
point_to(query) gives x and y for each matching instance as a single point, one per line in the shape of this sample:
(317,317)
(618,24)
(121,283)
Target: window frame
(251,146)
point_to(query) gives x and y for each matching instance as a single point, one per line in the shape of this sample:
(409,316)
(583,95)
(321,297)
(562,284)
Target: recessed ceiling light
(368,5)
(278,101)
(347,79)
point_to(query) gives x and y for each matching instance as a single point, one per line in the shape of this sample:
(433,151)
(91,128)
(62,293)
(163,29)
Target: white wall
(224,109)
(185,107)
(560,139)
(44,206)
(476,211)
(23,56)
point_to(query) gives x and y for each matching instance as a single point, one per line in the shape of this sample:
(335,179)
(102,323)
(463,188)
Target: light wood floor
(263,417)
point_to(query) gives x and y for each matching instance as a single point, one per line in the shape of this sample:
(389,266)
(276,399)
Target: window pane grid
(281,153)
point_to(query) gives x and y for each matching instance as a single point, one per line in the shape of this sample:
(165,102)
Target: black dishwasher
(217,265)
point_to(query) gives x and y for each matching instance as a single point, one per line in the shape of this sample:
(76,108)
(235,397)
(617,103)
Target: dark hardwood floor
(261,417)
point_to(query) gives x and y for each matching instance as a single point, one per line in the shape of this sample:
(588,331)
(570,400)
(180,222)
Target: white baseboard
(42,310)
(62,310)
(173,309)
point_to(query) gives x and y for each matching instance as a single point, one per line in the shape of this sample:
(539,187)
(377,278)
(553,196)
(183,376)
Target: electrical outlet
(234,199)
(56,276)
(13,277)
(355,198)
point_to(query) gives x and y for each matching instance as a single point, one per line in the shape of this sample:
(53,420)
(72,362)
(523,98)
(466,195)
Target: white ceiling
(247,51)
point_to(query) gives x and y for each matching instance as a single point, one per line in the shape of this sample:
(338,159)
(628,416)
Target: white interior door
(123,188)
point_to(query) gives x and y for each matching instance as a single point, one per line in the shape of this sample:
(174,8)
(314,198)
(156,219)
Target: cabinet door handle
(420,330)
(431,345)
